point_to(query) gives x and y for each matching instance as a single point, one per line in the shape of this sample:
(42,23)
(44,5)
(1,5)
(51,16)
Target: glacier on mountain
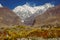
(26,10)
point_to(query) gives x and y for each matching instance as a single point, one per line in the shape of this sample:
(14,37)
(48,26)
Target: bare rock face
(51,16)
(7,17)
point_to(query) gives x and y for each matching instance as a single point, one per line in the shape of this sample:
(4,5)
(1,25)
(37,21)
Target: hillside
(51,16)
(8,18)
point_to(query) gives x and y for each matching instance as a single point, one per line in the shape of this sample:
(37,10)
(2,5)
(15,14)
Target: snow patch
(1,5)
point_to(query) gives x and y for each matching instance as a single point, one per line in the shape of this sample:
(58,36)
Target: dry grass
(26,32)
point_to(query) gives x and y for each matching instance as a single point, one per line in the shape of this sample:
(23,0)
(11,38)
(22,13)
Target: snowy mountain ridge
(26,10)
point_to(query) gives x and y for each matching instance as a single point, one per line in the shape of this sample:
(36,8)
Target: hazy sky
(13,3)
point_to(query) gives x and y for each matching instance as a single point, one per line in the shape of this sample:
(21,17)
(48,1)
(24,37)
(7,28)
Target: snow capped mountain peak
(1,5)
(25,7)
(26,10)
(31,9)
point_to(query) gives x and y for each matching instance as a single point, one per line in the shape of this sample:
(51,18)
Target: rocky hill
(51,16)
(7,17)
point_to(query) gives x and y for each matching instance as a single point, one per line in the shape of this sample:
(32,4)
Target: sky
(11,4)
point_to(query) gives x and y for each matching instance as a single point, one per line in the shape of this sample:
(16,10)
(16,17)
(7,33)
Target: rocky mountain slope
(51,16)
(7,17)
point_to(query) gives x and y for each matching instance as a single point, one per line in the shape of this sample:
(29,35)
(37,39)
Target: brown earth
(51,16)
(9,18)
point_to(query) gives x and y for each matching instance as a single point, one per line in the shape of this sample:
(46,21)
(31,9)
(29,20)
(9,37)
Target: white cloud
(1,5)
(26,10)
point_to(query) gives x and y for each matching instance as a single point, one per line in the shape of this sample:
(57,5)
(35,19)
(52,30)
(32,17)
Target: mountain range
(30,16)
(25,11)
